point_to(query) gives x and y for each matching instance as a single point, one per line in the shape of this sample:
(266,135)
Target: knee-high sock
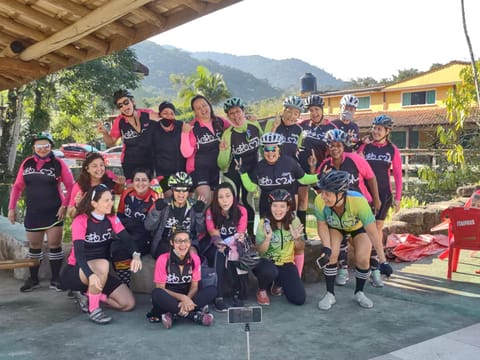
(330,272)
(55,257)
(35,254)
(299,261)
(361,275)
(93,301)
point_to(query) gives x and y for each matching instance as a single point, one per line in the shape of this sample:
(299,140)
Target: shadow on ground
(416,304)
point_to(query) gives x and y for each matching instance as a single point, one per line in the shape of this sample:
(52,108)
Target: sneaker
(55,285)
(327,301)
(203,317)
(276,290)
(208,319)
(220,305)
(262,297)
(237,302)
(362,300)
(99,317)
(82,300)
(167,320)
(70,294)
(376,278)
(342,277)
(29,285)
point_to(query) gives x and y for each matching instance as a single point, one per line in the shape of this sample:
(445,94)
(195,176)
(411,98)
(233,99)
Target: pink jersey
(160,275)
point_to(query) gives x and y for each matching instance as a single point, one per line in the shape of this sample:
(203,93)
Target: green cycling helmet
(233,102)
(180,179)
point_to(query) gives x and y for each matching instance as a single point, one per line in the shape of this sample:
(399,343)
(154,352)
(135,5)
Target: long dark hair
(233,213)
(84,178)
(94,194)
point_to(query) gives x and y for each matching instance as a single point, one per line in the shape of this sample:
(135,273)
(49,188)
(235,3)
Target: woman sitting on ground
(278,235)
(177,293)
(88,264)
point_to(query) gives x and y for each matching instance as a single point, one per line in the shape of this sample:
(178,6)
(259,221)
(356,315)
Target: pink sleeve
(187,144)
(73,193)
(79,227)
(397,173)
(226,123)
(197,268)
(117,225)
(67,180)
(320,167)
(242,223)
(160,272)
(17,188)
(209,220)
(360,149)
(115,131)
(111,175)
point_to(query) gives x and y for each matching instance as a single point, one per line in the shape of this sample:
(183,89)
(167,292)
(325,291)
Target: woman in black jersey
(166,145)
(89,261)
(41,176)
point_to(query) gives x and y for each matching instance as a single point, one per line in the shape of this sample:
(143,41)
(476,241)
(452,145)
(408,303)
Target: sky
(349,39)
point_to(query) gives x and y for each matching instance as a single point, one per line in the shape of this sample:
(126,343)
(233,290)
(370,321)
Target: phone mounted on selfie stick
(245,315)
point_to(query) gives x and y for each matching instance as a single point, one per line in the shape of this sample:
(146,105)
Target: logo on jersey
(285,179)
(386,157)
(242,148)
(31,170)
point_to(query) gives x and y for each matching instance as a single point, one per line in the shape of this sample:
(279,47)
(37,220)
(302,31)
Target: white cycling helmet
(271,138)
(293,102)
(349,100)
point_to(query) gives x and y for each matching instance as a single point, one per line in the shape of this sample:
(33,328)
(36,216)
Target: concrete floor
(416,306)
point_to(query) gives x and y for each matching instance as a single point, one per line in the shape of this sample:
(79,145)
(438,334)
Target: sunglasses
(269,148)
(141,180)
(42,146)
(180,189)
(123,103)
(181,241)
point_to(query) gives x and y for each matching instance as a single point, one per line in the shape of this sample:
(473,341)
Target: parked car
(112,156)
(77,151)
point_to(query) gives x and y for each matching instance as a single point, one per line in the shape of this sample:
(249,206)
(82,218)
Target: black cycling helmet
(314,100)
(117,95)
(43,136)
(383,120)
(233,102)
(180,179)
(280,195)
(335,181)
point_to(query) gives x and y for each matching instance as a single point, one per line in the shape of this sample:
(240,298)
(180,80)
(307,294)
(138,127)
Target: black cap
(165,105)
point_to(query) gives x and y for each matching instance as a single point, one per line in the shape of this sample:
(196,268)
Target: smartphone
(244,315)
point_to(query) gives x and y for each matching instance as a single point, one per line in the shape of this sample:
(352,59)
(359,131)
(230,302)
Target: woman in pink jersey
(41,176)
(200,146)
(89,261)
(93,173)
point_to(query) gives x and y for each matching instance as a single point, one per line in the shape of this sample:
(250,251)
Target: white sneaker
(342,277)
(376,278)
(327,301)
(362,300)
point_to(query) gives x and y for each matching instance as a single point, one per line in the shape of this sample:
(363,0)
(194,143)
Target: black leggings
(285,275)
(163,302)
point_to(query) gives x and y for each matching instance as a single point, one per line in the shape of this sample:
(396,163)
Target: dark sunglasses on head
(180,189)
(123,103)
(269,148)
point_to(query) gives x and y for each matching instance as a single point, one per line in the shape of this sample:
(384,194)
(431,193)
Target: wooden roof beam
(150,17)
(105,14)
(22,68)
(198,6)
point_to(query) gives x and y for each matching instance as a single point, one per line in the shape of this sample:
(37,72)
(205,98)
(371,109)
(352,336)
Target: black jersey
(292,136)
(166,149)
(314,139)
(245,145)
(137,144)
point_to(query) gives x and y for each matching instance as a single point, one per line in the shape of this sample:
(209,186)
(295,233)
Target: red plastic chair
(463,233)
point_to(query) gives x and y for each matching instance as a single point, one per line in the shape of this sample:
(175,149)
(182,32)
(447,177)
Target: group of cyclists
(208,171)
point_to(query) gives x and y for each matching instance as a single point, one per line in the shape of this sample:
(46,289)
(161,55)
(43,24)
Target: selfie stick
(247,332)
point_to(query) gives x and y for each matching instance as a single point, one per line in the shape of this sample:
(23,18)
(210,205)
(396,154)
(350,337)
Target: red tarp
(409,247)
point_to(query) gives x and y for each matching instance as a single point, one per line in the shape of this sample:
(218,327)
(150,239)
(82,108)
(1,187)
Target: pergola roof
(39,37)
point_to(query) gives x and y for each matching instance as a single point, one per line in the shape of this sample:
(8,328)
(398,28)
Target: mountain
(283,74)
(251,77)
(163,61)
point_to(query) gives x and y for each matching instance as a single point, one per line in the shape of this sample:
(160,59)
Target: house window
(364,102)
(399,138)
(418,98)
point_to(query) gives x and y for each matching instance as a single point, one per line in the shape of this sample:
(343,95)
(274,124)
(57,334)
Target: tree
(404,74)
(470,50)
(363,82)
(203,82)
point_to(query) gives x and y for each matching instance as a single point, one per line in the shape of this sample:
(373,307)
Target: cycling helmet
(233,102)
(335,181)
(271,138)
(294,102)
(117,95)
(383,120)
(180,179)
(336,135)
(349,100)
(280,195)
(314,100)
(43,136)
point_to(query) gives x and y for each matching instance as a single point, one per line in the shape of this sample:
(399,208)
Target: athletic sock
(330,272)
(299,261)
(55,257)
(36,254)
(361,275)
(93,301)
